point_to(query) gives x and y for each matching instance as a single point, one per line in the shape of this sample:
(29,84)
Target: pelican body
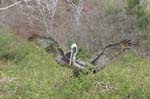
(69,58)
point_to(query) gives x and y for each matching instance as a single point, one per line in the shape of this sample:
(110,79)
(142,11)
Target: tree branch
(7,7)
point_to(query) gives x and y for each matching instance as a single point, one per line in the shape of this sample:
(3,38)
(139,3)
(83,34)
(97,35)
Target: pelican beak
(71,58)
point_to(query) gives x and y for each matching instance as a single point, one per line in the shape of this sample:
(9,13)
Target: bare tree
(9,6)
(91,23)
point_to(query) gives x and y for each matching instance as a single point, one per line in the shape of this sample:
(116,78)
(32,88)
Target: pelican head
(74,51)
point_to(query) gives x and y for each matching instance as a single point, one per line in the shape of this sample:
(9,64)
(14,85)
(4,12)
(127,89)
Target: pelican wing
(98,61)
(51,46)
(110,52)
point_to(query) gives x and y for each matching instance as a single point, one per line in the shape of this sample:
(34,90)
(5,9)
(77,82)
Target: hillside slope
(28,72)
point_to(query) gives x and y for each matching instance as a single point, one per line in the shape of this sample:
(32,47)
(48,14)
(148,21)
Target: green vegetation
(132,3)
(143,19)
(39,77)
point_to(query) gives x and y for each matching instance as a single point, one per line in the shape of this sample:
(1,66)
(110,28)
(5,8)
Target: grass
(39,77)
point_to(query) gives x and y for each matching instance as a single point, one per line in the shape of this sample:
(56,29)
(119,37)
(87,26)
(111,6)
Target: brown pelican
(72,56)
(100,60)
(63,58)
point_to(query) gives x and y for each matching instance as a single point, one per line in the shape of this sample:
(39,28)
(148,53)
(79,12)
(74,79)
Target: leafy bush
(143,20)
(142,16)
(11,50)
(132,3)
(41,78)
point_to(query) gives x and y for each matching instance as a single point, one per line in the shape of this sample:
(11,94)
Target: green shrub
(132,3)
(11,50)
(143,17)
(83,53)
(40,77)
(147,39)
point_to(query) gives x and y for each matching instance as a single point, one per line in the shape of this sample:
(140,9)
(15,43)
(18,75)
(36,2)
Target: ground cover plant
(28,72)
